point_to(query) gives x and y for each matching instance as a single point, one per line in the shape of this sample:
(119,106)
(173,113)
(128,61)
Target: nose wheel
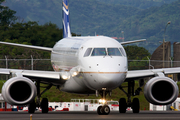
(103,110)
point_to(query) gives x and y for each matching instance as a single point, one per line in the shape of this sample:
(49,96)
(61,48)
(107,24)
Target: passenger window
(99,52)
(123,52)
(88,51)
(114,52)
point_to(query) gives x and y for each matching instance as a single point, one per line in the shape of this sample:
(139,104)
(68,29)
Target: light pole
(164,41)
(123,35)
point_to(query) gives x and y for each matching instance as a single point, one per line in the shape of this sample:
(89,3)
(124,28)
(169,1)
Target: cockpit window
(123,52)
(114,52)
(88,51)
(99,52)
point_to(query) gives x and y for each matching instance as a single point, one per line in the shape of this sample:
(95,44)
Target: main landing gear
(44,102)
(133,104)
(104,108)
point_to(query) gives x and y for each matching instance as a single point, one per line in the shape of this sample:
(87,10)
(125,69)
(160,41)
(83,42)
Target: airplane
(88,65)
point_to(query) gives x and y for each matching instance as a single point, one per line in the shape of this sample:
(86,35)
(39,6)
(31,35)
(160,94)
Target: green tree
(32,34)
(136,53)
(6,15)
(137,57)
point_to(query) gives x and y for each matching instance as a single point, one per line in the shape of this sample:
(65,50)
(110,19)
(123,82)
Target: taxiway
(143,115)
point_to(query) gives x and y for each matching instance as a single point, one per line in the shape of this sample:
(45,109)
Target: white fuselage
(91,63)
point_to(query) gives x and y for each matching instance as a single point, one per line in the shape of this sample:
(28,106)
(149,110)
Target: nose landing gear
(104,108)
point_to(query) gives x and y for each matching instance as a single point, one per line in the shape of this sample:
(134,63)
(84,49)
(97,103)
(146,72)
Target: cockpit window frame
(99,51)
(88,53)
(123,52)
(114,54)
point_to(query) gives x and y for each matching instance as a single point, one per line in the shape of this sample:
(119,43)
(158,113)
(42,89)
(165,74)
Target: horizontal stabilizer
(27,46)
(134,41)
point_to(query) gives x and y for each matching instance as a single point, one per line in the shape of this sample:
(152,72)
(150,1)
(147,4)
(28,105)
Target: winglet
(66,25)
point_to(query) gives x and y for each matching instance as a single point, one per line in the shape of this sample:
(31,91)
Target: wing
(134,41)
(27,46)
(49,77)
(137,74)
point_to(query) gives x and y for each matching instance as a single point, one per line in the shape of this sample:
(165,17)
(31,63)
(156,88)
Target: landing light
(74,74)
(65,77)
(75,71)
(102,101)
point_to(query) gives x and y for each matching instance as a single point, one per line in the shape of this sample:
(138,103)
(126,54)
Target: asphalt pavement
(68,115)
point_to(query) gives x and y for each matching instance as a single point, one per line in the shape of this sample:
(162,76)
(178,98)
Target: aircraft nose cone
(109,79)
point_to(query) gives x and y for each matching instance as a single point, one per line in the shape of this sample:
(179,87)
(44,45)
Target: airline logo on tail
(66,26)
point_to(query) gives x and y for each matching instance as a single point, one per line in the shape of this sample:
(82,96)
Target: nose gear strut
(104,108)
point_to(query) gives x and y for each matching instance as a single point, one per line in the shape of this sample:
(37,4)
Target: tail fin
(66,25)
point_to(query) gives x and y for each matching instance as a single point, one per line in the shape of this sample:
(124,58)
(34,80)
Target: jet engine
(161,91)
(19,91)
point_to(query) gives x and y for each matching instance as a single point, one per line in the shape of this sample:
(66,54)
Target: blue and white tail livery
(66,26)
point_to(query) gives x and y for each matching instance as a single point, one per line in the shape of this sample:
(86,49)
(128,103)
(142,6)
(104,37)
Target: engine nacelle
(161,91)
(19,91)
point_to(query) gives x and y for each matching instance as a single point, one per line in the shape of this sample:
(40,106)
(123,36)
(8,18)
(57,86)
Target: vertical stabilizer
(66,26)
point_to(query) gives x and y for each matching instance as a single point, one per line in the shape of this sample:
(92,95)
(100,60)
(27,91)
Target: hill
(90,16)
(142,4)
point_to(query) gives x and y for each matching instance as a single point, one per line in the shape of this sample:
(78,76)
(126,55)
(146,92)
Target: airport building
(169,61)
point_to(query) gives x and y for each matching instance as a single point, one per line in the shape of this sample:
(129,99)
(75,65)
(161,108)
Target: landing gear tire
(32,107)
(106,109)
(99,110)
(44,105)
(122,105)
(103,110)
(135,105)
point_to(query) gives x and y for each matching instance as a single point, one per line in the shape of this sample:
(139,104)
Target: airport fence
(45,64)
(151,64)
(28,64)
(25,64)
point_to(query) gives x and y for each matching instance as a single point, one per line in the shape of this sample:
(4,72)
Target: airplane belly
(72,86)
